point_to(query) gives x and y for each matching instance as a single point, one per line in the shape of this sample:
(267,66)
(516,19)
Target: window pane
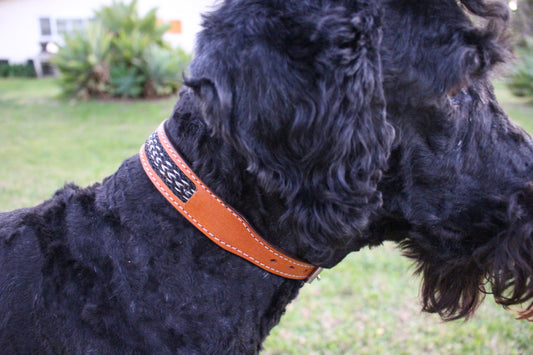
(46,29)
(77,24)
(62,26)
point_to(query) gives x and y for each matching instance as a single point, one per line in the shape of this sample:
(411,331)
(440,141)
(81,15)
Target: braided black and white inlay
(165,168)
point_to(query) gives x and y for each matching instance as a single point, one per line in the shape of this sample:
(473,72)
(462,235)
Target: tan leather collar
(207,212)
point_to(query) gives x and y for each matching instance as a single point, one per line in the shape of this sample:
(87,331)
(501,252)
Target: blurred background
(101,48)
(29,28)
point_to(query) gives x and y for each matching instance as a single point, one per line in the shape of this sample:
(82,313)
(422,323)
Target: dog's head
(321,97)
(295,87)
(457,194)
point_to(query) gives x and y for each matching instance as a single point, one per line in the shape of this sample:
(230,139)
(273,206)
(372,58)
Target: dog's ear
(215,99)
(298,92)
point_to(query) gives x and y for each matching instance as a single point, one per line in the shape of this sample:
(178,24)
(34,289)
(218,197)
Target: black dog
(331,125)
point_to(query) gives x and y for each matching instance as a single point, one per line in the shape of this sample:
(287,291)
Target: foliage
(4,70)
(163,70)
(521,80)
(17,70)
(84,62)
(126,81)
(121,54)
(124,18)
(522,21)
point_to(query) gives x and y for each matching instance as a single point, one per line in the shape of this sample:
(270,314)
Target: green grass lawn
(46,142)
(366,305)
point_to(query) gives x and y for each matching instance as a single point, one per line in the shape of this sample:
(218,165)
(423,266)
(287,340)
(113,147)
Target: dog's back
(20,276)
(42,285)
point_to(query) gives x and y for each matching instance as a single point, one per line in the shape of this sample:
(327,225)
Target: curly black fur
(331,125)
(317,138)
(284,118)
(457,192)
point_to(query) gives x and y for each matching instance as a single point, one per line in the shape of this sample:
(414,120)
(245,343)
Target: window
(64,25)
(61,26)
(78,24)
(45,25)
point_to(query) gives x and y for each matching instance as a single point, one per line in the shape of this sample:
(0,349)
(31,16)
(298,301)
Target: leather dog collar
(219,222)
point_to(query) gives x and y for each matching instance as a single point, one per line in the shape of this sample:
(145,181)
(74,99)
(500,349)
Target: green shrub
(521,81)
(124,18)
(163,70)
(84,62)
(121,55)
(126,81)
(17,70)
(4,70)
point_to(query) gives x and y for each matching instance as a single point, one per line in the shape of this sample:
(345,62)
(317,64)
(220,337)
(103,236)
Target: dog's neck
(217,220)
(223,170)
(183,250)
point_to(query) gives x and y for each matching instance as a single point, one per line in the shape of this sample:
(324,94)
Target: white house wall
(19,23)
(20,31)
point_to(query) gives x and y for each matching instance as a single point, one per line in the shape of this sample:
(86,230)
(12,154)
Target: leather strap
(207,212)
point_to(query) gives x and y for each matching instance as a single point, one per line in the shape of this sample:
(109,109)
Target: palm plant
(121,54)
